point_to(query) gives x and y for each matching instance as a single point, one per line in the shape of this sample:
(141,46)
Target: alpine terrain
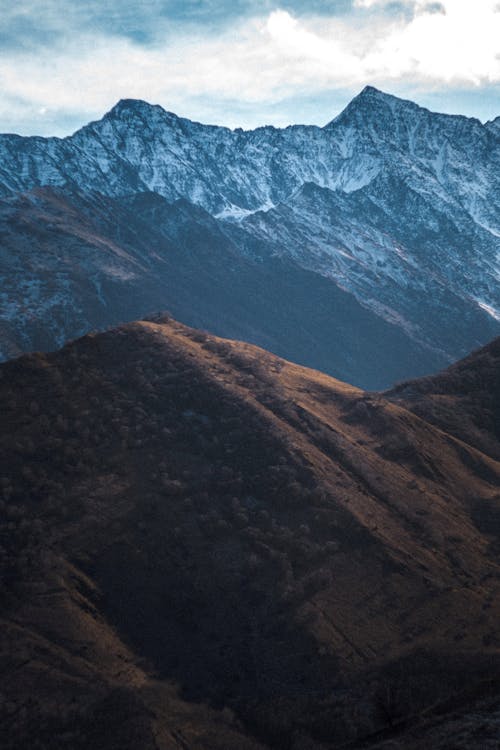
(368,248)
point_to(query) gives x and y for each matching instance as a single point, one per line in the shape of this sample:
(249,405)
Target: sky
(241,63)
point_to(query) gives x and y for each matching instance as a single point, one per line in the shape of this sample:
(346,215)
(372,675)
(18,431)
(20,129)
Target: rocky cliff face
(75,262)
(394,204)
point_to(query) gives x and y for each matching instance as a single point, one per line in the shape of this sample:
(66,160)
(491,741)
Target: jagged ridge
(393,203)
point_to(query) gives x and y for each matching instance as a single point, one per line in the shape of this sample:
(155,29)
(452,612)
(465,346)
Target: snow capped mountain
(397,205)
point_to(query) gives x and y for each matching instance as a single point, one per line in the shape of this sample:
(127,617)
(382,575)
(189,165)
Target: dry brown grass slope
(205,546)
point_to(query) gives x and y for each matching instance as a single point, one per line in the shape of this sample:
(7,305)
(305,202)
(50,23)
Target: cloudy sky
(242,63)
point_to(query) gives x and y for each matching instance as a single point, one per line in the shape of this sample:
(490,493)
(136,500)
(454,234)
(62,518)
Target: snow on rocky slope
(74,262)
(394,204)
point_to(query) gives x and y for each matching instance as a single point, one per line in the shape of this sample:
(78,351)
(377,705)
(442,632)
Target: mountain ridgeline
(203,545)
(368,248)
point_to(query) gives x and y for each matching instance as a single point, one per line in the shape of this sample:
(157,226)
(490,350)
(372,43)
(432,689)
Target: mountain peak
(372,91)
(127,110)
(367,100)
(129,106)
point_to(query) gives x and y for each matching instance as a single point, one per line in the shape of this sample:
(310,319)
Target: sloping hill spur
(203,545)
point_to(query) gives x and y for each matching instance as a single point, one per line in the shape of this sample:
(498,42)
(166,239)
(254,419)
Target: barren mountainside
(204,545)
(82,262)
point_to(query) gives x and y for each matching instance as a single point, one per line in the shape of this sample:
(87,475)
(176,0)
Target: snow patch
(488,308)
(237,213)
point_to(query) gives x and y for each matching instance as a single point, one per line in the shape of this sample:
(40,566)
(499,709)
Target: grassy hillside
(205,546)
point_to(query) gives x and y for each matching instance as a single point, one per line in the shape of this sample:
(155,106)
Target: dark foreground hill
(205,546)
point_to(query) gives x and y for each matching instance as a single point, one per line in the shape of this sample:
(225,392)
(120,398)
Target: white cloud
(459,45)
(263,59)
(369,3)
(451,41)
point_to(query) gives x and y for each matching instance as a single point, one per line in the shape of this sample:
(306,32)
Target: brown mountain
(205,546)
(464,399)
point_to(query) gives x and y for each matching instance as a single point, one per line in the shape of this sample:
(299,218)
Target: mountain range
(204,542)
(368,248)
(203,545)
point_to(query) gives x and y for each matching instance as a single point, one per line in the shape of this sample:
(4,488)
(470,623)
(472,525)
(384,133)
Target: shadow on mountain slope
(71,263)
(204,545)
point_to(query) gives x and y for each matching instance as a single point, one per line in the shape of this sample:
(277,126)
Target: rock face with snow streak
(76,262)
(392,203)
